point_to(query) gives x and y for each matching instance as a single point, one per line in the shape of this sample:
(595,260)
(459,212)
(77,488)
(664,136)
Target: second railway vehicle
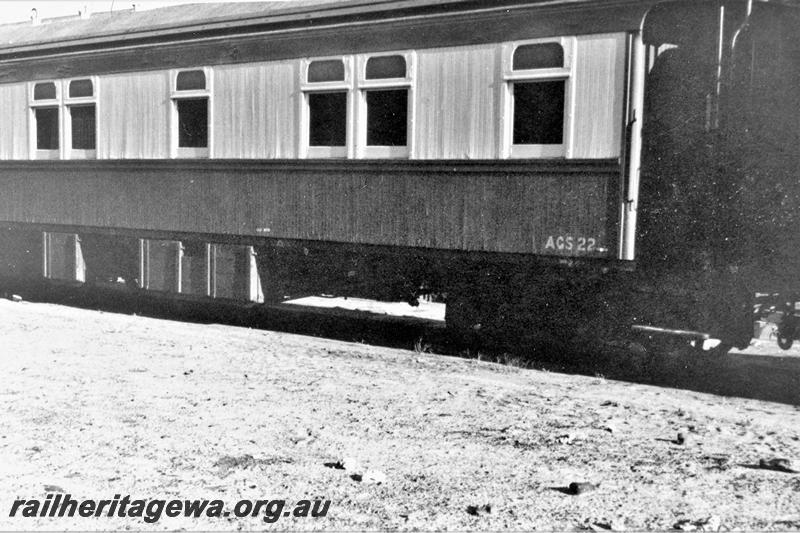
(567,167)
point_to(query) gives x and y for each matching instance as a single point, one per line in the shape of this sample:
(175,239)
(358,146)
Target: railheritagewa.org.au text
(153,509)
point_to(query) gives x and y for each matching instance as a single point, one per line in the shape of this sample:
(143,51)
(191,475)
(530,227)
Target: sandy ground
(96,404)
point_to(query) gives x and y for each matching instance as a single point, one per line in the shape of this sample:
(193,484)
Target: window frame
(53,103)
(356,85)
(62,102)
(363,86)
(310,87)
(507,148)
(79,101)
(184,152)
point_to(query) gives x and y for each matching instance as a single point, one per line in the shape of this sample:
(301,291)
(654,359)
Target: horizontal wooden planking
(455,205)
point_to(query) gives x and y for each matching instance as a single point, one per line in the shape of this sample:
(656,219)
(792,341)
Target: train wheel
(784,341)
(788,327)
(462,317)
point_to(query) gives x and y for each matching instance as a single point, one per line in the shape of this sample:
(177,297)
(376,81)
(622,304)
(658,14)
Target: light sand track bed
(99,404)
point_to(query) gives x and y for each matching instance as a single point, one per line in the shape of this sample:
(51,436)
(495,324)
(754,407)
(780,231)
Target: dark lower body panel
(497,296)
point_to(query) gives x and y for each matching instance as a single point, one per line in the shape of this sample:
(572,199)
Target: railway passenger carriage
(576,166)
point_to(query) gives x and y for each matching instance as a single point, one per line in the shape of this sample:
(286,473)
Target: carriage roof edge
(168,23)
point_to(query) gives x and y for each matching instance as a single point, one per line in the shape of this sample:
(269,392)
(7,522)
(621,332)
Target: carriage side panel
(599,78)
(255,110)
(544,208)
(134,116)
(14,132)
(457,104)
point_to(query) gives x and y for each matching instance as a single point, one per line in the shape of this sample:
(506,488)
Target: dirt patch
(97,404)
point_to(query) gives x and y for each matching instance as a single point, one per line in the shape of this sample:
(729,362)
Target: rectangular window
(327,85)
(536,96)
(47,130)
(191,113)
(327,124)
(80,119)
(357,106)
(45,120)
(539,112)
(387,117)
(83,127)
(192,122)
(63,119)
(385,96)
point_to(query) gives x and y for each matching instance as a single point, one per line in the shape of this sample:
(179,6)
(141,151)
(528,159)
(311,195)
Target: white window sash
(363,85)
(507,148)
(322,152)
(356,85)
(76,153)
(185,152)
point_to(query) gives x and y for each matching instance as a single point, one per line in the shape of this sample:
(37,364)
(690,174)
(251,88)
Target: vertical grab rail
(631,188)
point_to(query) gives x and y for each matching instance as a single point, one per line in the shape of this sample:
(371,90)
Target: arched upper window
(81,88)
(190,80)
(539,55)
(44,91)
(326,70)
(382,67)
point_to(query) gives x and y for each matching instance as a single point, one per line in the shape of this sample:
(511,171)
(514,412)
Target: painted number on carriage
(570,243)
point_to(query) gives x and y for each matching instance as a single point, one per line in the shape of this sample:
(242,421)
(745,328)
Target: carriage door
(679,178)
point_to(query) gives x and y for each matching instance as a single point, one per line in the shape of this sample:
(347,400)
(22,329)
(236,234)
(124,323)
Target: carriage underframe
(497,300)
